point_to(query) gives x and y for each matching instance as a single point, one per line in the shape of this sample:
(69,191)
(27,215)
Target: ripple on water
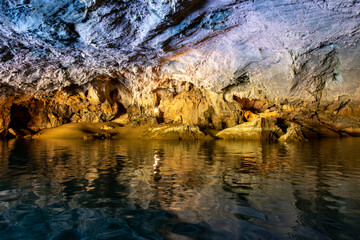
(179,190)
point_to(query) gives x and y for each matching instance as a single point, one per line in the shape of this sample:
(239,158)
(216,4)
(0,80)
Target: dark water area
(117,189)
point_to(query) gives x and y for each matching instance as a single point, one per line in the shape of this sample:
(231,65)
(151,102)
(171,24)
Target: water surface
(117,189)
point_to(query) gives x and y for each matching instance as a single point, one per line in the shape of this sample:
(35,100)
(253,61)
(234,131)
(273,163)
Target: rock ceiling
(283,48)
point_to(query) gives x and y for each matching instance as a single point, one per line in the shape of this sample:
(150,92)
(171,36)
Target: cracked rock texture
(174,132)
(259,129)
(199,62)
(282,48)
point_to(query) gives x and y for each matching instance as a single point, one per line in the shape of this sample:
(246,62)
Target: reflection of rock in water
(5,147)
(243,184)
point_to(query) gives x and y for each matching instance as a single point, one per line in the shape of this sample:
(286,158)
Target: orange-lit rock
(250,116)
(202,108)
(293,133)
(258,129)
(176,132)
(176,103)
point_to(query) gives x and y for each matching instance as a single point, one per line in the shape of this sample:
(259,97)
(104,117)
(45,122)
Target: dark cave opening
(160,117)
(113,96)
(19,117)
(246,103)
(121,109)
(280,122)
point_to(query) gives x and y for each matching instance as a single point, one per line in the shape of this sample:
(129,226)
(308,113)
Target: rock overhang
(283,48)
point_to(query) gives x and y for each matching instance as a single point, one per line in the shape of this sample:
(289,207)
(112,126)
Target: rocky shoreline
(109,110)
(273,70)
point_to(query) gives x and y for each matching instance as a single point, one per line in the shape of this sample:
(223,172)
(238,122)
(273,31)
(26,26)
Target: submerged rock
(258,129)
(176,132)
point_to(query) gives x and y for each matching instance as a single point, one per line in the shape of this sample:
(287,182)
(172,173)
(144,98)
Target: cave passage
(19,117)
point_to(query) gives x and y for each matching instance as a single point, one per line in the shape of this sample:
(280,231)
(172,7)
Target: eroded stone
(175,132)
(258,129)
(293,133)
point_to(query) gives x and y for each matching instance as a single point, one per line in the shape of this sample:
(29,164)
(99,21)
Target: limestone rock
(250,116)
(258,129)
(19,133)
(252,104)
(309,49)
(123,119)
(177,132)
(28,136)
(143,120)
(293,133)
(13,132)
(25,132)
(100,136)
(93,96)
(201,107)
(178,120)
(54,121)
(88,137)
(107,127)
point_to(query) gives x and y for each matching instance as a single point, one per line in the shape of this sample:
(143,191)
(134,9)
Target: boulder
(123,119)
(294,133)
(250,116)
(258,129)
(107,127)
(177,132)
(13,132)
(18,133)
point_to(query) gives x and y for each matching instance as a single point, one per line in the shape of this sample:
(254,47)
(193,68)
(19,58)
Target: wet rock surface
(258,129)
(294,133)
(175,132)
(185,105)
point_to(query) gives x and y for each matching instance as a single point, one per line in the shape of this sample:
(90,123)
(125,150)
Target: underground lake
(179,119)
(156,189)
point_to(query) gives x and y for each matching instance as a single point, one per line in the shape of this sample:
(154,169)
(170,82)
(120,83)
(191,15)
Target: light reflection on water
(68,189)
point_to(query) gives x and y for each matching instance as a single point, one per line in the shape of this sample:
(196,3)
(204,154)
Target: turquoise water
(116,189)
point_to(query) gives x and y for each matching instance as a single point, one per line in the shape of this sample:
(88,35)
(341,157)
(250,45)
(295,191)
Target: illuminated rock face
(282,48)
(259,129)
(284,51)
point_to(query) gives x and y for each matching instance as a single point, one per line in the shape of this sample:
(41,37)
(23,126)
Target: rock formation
(258,129)
(175,132)
(214,64)
(294,133)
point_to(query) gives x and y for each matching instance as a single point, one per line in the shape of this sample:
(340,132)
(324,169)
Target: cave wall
(110,100)
(196,61)
(107,99)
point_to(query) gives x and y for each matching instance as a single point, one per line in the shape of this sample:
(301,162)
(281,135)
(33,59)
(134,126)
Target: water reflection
(68,189)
